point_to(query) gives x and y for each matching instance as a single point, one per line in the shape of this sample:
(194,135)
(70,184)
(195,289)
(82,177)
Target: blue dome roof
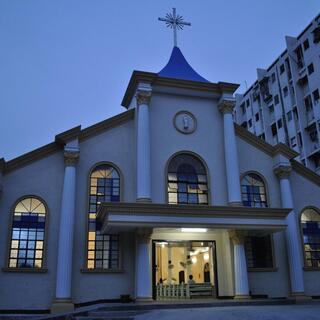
(179,68)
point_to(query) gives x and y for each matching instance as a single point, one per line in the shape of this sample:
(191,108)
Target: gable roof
(62,138)
(278,148)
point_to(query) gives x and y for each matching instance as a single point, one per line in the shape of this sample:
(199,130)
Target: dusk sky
(67,63)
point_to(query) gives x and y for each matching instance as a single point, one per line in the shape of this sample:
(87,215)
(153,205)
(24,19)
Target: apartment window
(250,123)
(299,55)
(262,136)
(271,108)
(308,103)
(295,113)
(300,140)
(288,68)
(285,91)
(293,142)
(274,129)
(273,77)
(316,35)
(306,44)
(279,123)
(244,124)
(310,68)
(248,103)
(276,99)
(282,69)
(289,115)
(242,107)
(316,96)
(257,116)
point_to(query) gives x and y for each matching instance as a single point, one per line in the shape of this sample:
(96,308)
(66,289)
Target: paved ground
(291,312)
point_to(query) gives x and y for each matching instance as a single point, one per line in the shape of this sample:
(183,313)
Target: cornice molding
(106,124)
(69,135)
(280,148)
(304,171)
(128,208)
(272,151)
(155,79)
(32,156)
(62,138)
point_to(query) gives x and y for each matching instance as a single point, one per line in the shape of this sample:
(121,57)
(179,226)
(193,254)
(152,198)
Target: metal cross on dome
(175,22)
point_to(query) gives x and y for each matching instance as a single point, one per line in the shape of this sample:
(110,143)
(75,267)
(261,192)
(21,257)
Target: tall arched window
(28,234)
(310,223)
(103,249)
(253,191)
(187,181)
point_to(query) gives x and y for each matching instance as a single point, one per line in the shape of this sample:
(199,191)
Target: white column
(231,153)
(240,265)
(66,230)
(143,266)
(292,236)
(143,147)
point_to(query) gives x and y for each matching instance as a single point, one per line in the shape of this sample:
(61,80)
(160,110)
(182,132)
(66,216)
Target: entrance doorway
(184,269)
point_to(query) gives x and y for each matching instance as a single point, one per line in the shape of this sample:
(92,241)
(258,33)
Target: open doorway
(184,269)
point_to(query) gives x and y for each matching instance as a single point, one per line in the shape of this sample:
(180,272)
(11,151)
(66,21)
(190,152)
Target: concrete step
(111,315)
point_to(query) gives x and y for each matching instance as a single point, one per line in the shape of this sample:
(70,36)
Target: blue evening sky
(68,62)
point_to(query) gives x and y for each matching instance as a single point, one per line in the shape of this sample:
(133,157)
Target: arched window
(310,223)
(187,180)
(253,191)
(103,249)
(28,234)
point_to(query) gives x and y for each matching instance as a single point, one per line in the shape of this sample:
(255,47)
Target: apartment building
(283,103)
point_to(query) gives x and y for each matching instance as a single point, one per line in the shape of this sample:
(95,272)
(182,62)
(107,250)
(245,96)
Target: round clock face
(185,122)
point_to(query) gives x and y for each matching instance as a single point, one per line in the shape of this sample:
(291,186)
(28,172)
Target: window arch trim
(45,239)
(201,160)
(264,182)
(305,267)
(85,254)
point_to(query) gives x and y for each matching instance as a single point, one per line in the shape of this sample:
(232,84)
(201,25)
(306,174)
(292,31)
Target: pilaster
(143,96)
(226,106)
(292,238)
(63,297)
(240,264)
(143,265)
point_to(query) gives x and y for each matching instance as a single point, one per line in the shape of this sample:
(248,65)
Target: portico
(226,226)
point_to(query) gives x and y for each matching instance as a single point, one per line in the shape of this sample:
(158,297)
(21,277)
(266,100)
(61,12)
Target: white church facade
(169,199)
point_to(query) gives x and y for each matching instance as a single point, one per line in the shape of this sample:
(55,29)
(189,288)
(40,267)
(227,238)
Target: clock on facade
(185,122)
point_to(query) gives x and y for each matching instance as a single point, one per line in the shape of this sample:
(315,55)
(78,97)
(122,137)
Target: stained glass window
(28,232)
(253,191)
(310,223)
(187,181)
(103,249)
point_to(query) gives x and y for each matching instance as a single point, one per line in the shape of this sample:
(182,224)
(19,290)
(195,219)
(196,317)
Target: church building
(169,199)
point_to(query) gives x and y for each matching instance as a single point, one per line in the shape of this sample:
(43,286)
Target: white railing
(173,291)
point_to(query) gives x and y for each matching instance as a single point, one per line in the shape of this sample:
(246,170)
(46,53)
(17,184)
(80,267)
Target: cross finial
(175,22)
